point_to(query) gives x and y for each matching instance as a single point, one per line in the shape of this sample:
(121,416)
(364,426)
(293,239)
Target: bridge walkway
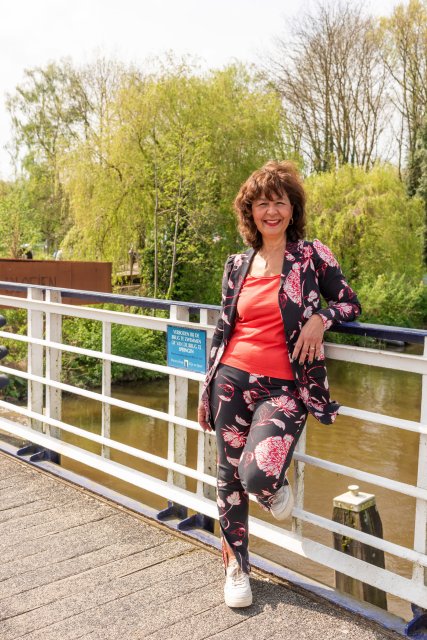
(77,566)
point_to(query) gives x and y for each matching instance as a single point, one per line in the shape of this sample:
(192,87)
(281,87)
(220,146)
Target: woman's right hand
(201,417)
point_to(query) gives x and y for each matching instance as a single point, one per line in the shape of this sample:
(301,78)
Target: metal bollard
(358,510)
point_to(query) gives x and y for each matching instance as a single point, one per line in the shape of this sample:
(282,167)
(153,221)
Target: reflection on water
(385,451)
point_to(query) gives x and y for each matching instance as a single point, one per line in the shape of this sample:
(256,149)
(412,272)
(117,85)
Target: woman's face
(272,217)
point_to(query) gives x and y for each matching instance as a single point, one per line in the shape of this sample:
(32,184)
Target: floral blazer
(309,269)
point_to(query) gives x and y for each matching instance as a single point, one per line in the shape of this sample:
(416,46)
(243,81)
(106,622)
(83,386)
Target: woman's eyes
(264,204)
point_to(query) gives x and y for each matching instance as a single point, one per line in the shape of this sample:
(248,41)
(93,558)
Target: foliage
(85,371)
(128,342)
(403,41)
(115,158)
(174,154)
(18,224)
(393,299)
(376,231)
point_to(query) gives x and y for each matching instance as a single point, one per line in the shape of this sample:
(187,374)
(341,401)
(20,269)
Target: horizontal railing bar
(361,355)
(115,317)
(324,523)
(380,481)
(377,358)
(141,364)
(413,362)
(402,362)
(381,418)
(360,414)
(122,404)
(112,298)
(112,444)
(331,558)
(112,468)
(364,476)
(384,332)
(361,536)
(356,413)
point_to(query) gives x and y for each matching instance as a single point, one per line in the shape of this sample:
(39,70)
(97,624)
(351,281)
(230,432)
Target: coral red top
(258,343)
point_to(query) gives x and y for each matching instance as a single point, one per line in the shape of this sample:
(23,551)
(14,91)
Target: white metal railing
(45,312)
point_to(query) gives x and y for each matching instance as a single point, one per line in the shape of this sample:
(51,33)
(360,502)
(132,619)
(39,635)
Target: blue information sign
(187,348)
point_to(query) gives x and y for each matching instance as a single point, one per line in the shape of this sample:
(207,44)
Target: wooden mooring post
(358,510)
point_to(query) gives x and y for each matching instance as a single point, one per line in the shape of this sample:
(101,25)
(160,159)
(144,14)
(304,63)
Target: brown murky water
(386,451)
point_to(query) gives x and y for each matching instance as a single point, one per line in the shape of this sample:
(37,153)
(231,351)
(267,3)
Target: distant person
(133,256)
(29,254)
(58,254)
(267,366)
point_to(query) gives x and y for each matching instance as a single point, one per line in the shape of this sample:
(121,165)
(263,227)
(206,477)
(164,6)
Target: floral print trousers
(258,421)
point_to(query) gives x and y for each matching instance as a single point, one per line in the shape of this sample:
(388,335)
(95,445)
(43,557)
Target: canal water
(383,450)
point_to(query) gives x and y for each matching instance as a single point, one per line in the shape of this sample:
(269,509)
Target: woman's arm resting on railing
(343,305)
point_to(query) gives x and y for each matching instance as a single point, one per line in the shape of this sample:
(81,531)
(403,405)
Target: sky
(216,32)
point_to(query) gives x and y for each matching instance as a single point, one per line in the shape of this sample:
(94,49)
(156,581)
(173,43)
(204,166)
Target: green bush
(85,371)
(129,342)
(376,232)
(394,300)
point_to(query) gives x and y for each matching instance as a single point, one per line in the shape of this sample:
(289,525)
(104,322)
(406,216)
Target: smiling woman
(272,194)
(266,367)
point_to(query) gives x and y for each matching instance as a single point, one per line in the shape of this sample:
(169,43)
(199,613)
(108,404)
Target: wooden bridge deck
(76,566)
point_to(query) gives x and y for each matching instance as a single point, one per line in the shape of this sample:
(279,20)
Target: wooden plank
(121,602)
(93,571)
(50,552)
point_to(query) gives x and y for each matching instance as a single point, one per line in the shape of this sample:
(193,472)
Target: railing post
(420,536)
(106,386)
(35,358)
(206,445)
(53,364)
(299,468)
(178,399)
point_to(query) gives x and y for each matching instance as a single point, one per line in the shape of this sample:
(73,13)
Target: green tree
(42,118)
(54,110)
(18,224)
(175,152)
(376,231)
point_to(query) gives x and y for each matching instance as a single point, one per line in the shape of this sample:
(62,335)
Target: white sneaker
(237,590)
(282,503)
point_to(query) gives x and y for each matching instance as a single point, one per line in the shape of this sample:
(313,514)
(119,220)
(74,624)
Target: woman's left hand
(309,343)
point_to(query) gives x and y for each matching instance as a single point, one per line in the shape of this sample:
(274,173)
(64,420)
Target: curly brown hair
(274,178)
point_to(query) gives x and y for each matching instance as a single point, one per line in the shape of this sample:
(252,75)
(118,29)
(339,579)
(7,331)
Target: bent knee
(254,480)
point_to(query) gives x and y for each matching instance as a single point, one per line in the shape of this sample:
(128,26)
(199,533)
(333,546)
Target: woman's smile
(272,223)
